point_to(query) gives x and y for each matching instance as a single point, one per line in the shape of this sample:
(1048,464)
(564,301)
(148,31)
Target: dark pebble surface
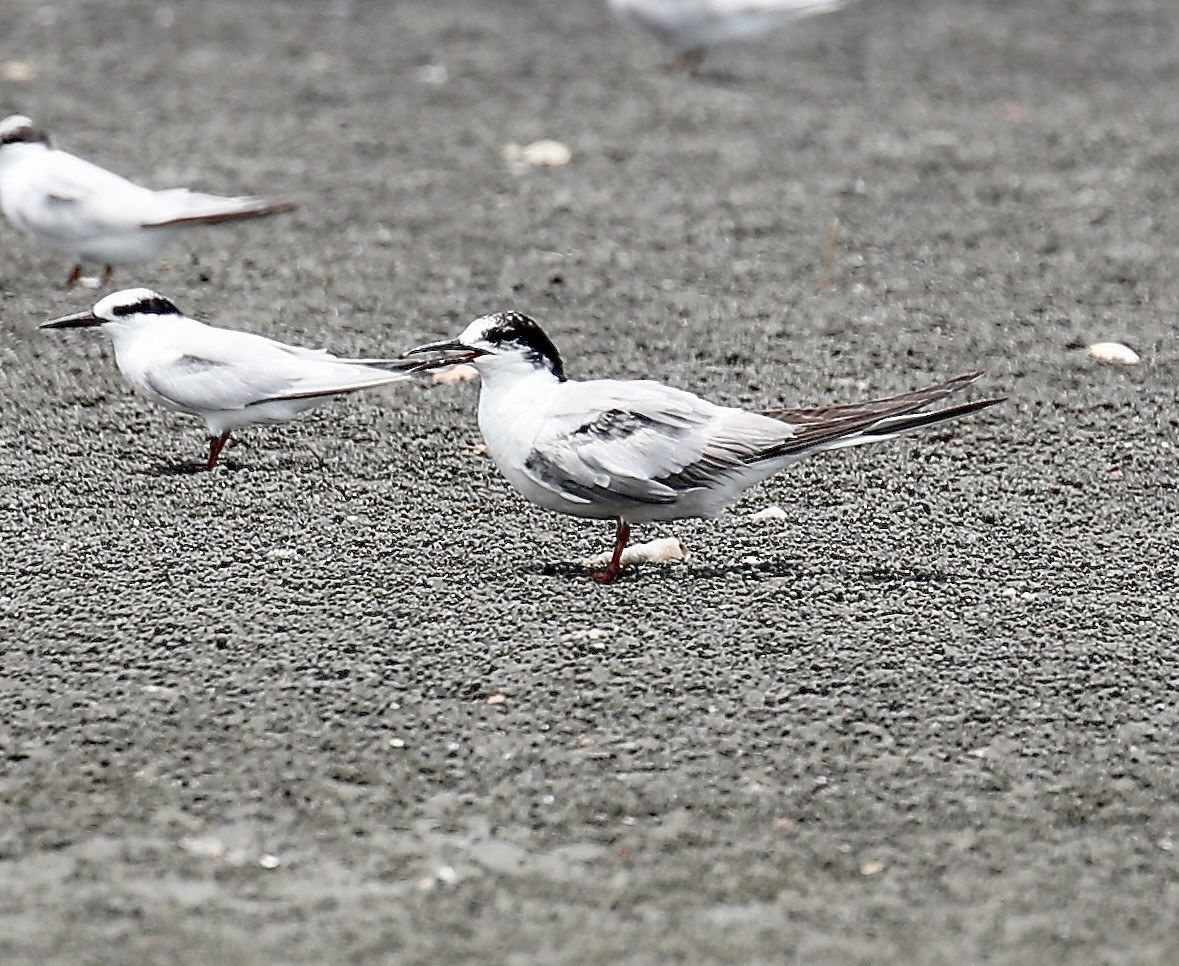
(348,699)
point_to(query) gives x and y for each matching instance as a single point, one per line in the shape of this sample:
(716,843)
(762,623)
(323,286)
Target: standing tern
(230,379)
(692,26)
(640,451)
(94,215)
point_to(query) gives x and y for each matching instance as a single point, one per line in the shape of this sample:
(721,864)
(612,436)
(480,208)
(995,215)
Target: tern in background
(230,379)
(692,26)
(640,451)
(94,215)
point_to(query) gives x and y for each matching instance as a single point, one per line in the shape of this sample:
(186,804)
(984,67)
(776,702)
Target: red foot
(216,445)
(606,576)
(621,538)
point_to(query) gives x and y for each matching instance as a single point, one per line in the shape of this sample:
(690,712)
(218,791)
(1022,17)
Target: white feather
(228,378)
(689,25)
(94,215)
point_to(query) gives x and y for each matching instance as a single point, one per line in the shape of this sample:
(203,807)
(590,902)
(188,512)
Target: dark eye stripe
(26,134)
(155,305)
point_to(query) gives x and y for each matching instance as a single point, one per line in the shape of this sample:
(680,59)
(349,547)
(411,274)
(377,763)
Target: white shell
(664,550)
(1114,352)
(538,154)
(17,71)
(769,515)
(460,373)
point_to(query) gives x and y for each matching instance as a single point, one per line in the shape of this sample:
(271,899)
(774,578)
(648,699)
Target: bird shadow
(568,570)
(804,571)
(172,468)
(718,77)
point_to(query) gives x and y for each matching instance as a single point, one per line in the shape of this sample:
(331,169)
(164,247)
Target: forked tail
(199,209)
(832,427)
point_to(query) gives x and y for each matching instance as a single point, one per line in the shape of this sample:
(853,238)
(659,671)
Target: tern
(638,451)
(693,26)
(230,379)
(94,215)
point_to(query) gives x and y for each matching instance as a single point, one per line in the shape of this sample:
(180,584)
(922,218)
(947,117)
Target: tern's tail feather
(191,208)
(833,427)
(350,379)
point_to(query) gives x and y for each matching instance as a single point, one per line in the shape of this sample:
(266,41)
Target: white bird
(94,215)
(230,379)
(639,451)
(693,26)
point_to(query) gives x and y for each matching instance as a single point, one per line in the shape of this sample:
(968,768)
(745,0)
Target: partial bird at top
(637,451)
(230,379)
(94,215)
(691,27)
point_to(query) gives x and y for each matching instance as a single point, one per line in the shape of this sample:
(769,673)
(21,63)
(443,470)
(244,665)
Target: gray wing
(202,369)
(195,383)
(73,199)
(649,444)
(179,206)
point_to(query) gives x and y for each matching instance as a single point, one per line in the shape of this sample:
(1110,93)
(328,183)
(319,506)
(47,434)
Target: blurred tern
(94,215)
(640,451)
(230,379)
(692,26)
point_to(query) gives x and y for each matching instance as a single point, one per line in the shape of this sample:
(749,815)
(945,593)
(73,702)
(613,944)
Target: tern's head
(18,129)
(130,307)
(506,342)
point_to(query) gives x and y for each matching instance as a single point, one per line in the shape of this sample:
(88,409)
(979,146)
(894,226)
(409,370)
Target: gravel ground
(346,699)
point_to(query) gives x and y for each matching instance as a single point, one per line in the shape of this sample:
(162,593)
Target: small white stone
(283,553)
(436,74)
(205,846)
(269,861)
(1114,352)
(539,154)
(446,874)
(769,515)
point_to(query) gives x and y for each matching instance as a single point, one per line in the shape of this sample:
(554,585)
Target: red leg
(107,272)
(75,276)
(621,538)
(216,444)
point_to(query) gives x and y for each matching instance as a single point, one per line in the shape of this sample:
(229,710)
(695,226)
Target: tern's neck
(14,154)
(139,327)
(515,375)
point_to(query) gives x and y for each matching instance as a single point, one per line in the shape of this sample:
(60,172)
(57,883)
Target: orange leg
(107,272)
(75,277)
(621,538)
(216,445)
